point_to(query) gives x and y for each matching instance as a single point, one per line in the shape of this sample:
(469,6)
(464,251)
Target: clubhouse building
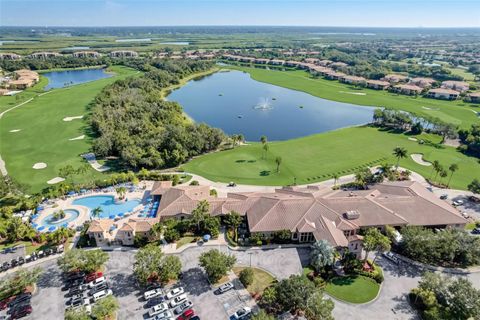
(308,213)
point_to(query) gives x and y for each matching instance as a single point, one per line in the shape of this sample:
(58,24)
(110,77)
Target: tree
(399,153)
(265,150)
(435,166)
(319,308)
(96,212)
(199,213)
(82,260)
(375,240)
(170,269)
(335,179)
(121,191)
(452,168)
(59,236)
(148,261)
(105,308)
(75,314)
(246,277)
(269,298)
(278,162)
(293,293)
(363,177)
(474,186)
(17,282)
(216,264)
(322,255)
(443,174)
(233,220)
(262,315)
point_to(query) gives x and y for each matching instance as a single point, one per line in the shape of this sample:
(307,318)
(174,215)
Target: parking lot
(7,255)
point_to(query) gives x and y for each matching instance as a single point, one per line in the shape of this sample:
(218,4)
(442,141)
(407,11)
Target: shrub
(194,183)
(246,277)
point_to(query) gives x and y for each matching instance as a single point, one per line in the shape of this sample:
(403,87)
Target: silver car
(184,306)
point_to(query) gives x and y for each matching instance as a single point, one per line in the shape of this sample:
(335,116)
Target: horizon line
(239,25)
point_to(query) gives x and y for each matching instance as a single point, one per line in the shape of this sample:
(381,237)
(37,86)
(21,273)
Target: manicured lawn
(457,112)
(318,157)
(184,240)
(353,289)
(44,136)
(7,102)
(261,279)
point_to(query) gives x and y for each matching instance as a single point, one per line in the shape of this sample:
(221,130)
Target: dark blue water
(228,100)
(60,79)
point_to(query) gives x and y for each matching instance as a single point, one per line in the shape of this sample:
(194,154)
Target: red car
(21,312)
(187,315)
(93,276)
(4,303)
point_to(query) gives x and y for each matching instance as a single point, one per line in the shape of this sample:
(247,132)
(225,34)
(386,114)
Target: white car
(96,282)
(164,316)
(162,307)
(178,300)
(457,203)
(153,293)
(224,288)
(102,294)
(241,313)
(389,255)
(175,292)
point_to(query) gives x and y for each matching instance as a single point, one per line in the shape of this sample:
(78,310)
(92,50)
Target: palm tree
(335,179)
(265,149)
(386,170)
(121,191)
(443,174)
(438,169)
(199,213)
(453,167)
(233,220)
(96,212)
(278,161)
(234,140)
(399,153)
(263,140)
(157,230)
(435,166)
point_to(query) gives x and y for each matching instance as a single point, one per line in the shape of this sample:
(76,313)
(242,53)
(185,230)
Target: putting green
(44,136)
(318,157)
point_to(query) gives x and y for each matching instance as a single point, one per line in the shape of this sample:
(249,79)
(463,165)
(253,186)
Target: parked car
(187,315)
(175,292)
(474,199)
(40,254)
(476,231)
(241,313)
(178,300)
(60,248)
(4,303)
(444,196)
(457,203)
(100,287)
(22,312)
(97,282)
(5,266)
(78,296)
(195,318)
(92,276)
(231,184)
(48,252)
(465,215)
(390,256)
(74,291)
(19,299)
(159,308)
(154,301)
(184,306)
(102,294)
(20,260)
(163,316)
(224,288)
(153,293)
(76,301)
(74,276)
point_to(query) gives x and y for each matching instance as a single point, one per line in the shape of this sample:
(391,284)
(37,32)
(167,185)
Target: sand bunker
(428,108)
(15,130)
(39,165)
(55,180)
(412,139)
(78,138)
(72,118)
(418,158)
(354,93)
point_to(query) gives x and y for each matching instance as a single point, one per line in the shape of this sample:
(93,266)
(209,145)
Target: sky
(368,13)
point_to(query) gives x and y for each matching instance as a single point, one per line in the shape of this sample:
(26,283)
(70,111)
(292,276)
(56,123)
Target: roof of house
(378,82)
(160,187)
(138,225)
(443,91)
(100,225)
(410,87)
(474,94)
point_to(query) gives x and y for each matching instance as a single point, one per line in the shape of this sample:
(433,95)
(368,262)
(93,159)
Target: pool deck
(84,212)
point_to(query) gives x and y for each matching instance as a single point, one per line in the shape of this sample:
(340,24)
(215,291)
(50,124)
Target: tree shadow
(50,278)
(240,161)
(251,161)
(403,306)
(343,281)
(402,269)
(264,173)
(122,284)
(195,281)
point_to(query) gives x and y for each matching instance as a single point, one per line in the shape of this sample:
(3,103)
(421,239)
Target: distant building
(22,79)
(123,54)
(325,63)
(44,55)
(474,97)
(378,84)
(353,80)
(407,89)
(456,85)
(332,75)
(395,78)
(338,65)
(10,56)
(442,93)
(86,54)
(422,82)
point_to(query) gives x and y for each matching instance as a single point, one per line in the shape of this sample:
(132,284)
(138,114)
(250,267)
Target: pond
(60,79)
(236,103)
(176,43)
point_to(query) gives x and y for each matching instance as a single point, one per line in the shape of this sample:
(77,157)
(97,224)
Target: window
(295,236)
(356,246)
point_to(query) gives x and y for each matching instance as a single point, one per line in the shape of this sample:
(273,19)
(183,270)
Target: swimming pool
(110,207)
(49,221)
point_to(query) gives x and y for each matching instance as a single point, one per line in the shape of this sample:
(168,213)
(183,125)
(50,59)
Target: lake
(60,79)
(236,103)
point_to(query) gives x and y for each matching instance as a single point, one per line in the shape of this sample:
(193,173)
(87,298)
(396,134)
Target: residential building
(353,80)
(395,78)
(44,55)
(456,85)
(407,89)
(10,56)
(123,54)
(378,84)
(422,82)
(332,75)
(474,97)
(86,54)
(338,65)
(442,93)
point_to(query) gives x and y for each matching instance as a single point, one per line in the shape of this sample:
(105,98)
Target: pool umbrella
(41,228)
(71,193)
(65,225)
(83,190)
(52,228)
(34,225)
(40,208)
(206,237)
(121,214)
(34,216)
(112,216)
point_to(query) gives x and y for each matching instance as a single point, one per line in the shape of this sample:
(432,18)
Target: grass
(7,102)
(44,136)
(457,112)
(317,157)
(353,289)
(470,226)
(184,240)
(261,279)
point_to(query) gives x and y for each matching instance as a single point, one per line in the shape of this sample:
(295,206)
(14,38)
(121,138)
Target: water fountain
(264,104)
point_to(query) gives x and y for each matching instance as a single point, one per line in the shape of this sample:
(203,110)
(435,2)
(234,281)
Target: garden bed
(261,280)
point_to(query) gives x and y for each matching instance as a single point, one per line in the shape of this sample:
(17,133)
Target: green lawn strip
(353,289)
(261,279)
(457,112)
(184,240)
(7,102)
(317,157)
(44,136)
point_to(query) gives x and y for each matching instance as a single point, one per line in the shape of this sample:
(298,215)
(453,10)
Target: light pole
(250,254)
